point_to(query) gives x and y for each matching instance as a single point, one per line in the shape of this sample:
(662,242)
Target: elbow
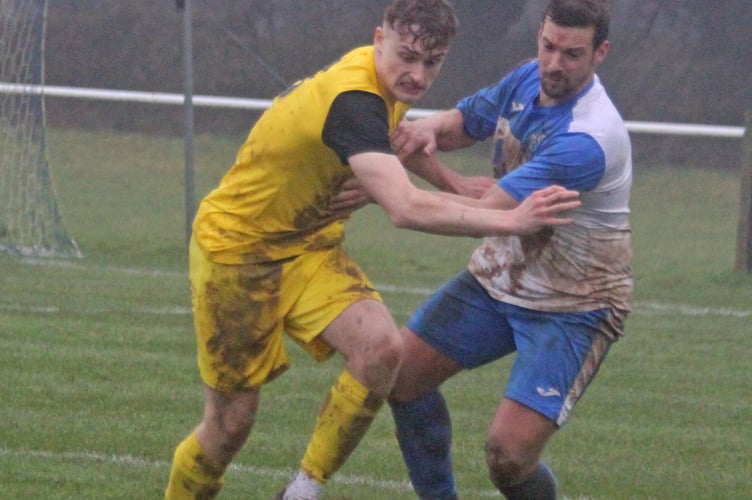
(403,209)
(400,220)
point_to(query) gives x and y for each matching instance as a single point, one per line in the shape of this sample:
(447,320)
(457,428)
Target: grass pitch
(97,355)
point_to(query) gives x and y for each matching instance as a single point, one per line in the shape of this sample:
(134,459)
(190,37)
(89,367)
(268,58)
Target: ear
(601,52)
(378,35)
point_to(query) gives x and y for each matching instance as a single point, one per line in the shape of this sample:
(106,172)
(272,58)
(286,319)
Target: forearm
(387,183)
(449,129)
(448,214)
(434,171)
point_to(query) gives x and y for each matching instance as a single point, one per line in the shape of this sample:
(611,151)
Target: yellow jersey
(274,202)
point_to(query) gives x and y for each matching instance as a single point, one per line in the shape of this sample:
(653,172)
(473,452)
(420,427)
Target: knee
(390,352)
(506,468)
(382,352)
(378,363)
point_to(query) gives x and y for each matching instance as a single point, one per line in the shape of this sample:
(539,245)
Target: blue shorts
(558,354)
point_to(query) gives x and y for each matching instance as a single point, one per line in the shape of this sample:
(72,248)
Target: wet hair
(580,14)
(433,23)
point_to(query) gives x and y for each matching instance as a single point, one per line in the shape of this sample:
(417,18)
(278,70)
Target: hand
(472,186)
(411,137)
(544,208)
(350,197)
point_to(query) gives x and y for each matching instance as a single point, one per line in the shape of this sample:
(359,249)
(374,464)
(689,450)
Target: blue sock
(424,433)
(541,485)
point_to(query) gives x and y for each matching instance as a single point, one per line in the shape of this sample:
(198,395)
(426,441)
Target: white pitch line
(144,463)
(268,472)
(646,308)
(655,308)
(155,311)
(640,308)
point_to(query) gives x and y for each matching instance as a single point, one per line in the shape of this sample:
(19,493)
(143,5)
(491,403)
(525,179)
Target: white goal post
(30,222)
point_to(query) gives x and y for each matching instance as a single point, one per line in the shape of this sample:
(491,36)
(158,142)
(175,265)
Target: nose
(554,61)
(418,73)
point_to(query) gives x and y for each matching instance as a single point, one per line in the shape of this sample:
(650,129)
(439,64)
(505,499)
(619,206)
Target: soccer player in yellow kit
(266,254)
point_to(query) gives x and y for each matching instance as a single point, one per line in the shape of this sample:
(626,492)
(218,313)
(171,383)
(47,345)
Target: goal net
(30,222)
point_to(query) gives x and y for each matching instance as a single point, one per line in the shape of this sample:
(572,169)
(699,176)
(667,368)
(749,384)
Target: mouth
(412,89)
(554,77)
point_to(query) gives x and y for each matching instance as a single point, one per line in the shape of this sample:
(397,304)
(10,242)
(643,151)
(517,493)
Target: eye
(408,57)
(434,62)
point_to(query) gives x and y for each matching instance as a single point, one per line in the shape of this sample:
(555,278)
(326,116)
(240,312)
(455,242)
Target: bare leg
(422,421)
(202,458)
(514,445)
(228,419)
(368,339)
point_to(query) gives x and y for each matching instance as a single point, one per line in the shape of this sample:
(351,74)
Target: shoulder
(358,103)
(596,116)
(353,71)
(595,112)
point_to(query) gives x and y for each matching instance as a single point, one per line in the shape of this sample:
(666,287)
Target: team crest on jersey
(534,141)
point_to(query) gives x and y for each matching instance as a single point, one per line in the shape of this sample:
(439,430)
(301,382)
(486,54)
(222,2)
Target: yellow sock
(193,475)
(342,422)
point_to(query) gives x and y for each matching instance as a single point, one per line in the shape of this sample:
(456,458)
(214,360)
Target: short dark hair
(581,14)
(432,22)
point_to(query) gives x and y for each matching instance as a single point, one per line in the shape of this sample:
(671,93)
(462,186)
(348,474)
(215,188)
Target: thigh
(326,284)
(361,328)
(423,368)
(558,355)
(236,312)
(461,321)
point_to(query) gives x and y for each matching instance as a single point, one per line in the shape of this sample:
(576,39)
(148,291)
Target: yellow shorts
(240,312)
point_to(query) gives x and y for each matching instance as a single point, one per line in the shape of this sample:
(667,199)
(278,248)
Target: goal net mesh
(30,221)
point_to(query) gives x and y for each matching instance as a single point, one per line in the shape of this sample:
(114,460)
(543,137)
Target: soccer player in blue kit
(558,298)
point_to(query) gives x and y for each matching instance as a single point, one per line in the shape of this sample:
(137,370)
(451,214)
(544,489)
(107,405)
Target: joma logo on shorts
(547,393)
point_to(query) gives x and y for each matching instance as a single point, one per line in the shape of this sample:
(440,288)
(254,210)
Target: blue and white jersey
(581,144)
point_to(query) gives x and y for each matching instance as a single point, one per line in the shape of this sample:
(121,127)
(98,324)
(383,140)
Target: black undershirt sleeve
(357,123)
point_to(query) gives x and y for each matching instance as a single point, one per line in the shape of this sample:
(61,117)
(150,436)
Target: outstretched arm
(351,195)
(386,182)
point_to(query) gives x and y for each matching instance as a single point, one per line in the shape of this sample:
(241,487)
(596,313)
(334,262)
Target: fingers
(410,137)
(558,221)
(350,197)
(546,207)
(556,199)
(350,200)
(560,206)
(349,184)
(558,193)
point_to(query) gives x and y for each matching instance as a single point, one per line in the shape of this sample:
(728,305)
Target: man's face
(404,68)
(566,61)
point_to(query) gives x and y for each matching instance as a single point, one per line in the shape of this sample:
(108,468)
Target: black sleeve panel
(357,123)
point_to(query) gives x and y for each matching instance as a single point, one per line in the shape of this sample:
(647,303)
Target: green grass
(97,355)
